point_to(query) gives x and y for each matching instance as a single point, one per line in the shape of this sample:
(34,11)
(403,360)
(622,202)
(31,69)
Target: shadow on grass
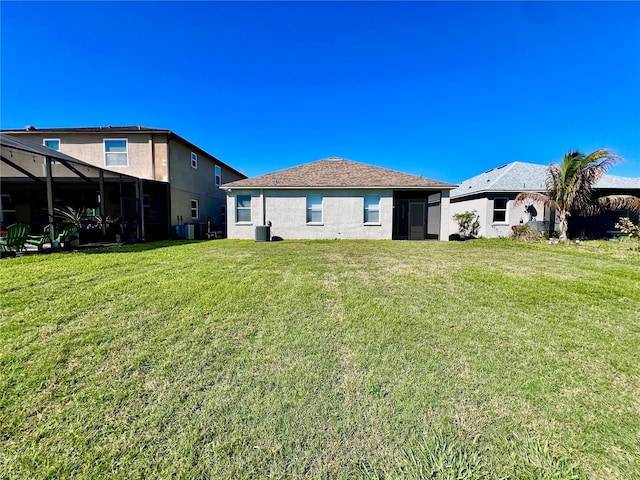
(140,247)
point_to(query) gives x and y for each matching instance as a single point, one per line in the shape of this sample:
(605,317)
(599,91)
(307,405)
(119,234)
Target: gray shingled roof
(337,172)
(526,177)
(615,182)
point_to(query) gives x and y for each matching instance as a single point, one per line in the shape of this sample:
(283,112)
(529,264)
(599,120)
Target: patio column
(444,216)
(47,161)
(140,201)
(103,214)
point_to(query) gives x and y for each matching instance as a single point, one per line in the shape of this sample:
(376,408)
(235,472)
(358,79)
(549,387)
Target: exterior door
(416,221)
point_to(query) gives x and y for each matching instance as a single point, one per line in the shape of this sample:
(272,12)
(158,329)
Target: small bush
(626,226)
(525,233)
(468,224)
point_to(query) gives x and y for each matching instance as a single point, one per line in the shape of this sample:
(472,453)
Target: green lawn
(326,359)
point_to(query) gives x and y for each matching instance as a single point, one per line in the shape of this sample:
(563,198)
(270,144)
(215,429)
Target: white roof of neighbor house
(527,177)
(613,181)
(513,177)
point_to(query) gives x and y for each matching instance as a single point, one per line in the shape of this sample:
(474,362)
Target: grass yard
(326,359)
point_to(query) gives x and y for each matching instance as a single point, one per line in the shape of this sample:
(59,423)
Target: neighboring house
(194,176)
(35,180)
(492,193)
(336,198)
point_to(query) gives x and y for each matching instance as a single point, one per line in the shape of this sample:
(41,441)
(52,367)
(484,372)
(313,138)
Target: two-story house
(194,176)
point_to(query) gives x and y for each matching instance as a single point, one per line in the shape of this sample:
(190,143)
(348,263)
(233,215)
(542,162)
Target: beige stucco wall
(484,209)
(342,214)
(90,148)
(154,156)
(188,183)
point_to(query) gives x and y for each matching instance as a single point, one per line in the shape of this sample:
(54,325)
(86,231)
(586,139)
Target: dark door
(416,221)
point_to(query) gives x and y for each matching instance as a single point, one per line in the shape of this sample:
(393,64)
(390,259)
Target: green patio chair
(40,240)
(16,237)
(67,233)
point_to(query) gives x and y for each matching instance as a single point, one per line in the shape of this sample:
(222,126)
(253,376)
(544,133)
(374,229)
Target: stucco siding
(90,148)
(484,207)
(188,183)
(342,214)
(479,205)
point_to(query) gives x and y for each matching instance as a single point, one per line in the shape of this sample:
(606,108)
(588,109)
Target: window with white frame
(243,208)
(500,210)
(195,211)
(372,209)
(52,143)
(116,152)
(194,160)
(314,209)
(218,175)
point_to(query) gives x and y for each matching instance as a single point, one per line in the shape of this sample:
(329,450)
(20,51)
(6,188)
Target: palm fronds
(570,187)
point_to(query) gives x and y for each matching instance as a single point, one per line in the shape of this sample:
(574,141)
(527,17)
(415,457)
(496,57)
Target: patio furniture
(67,233)
(16,237)
(40,240)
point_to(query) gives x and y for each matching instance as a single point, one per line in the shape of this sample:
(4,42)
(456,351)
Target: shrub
(468,224)
(525,233)
(626,226)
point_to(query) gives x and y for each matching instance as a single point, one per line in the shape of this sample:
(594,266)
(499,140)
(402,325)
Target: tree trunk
(563,225)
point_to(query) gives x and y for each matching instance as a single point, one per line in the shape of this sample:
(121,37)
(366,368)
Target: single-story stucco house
(336,198)
(491,195)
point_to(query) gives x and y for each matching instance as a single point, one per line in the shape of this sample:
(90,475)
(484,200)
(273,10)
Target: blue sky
(444,90)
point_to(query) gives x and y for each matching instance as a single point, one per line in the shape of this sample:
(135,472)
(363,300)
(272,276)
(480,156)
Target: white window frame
(126,152)
(238,208)
(218,173)
(195,206)
(45,140)
(505,210)
(44,144)
(194,160)
(372,207)
(315,207)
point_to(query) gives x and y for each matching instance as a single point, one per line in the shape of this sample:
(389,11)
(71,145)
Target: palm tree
(570,187)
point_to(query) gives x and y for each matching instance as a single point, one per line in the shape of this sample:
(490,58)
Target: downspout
(153,157)
(264,212)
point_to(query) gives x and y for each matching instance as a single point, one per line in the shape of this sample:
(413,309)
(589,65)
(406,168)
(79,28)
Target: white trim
(126,152)
(237,208)
(505,210)
(197,209)
(45,140)
(194,160)
(218,175)
(369,210)
(311,209)
(53,161)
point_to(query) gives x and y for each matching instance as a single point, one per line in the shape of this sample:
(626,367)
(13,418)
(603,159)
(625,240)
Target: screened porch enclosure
(38,185)
(416,215)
